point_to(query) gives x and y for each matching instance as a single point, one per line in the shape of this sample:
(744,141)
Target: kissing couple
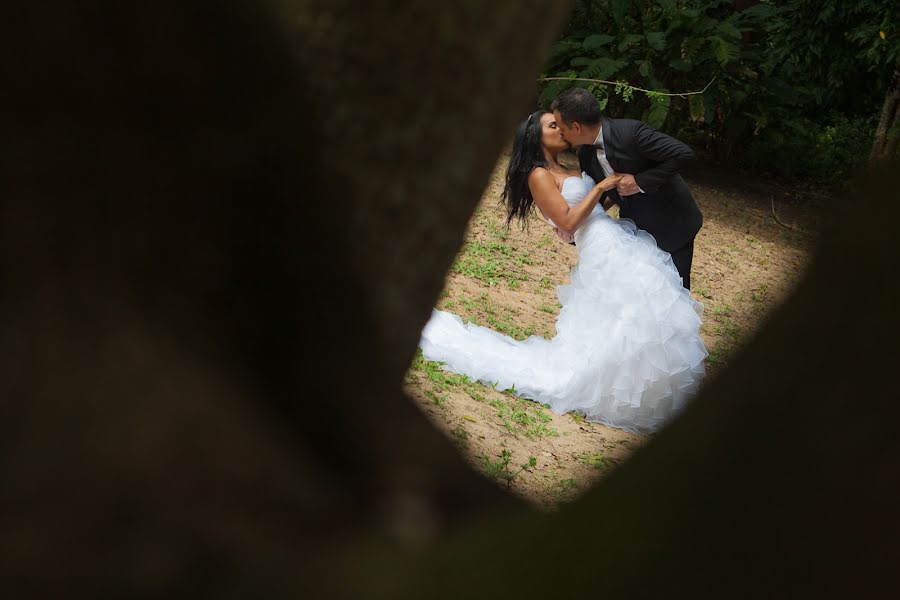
(627,350)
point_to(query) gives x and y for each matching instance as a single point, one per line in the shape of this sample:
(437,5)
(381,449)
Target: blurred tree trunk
(222,228)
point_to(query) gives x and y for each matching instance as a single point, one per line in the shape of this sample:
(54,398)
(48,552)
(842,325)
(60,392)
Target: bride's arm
(550,201)
(566,236)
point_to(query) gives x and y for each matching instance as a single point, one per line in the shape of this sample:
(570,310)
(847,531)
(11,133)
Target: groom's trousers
(683,257)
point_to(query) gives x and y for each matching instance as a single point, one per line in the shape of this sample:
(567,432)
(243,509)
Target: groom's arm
(657,146)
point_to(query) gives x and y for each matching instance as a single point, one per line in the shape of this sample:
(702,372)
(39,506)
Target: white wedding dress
(627,350)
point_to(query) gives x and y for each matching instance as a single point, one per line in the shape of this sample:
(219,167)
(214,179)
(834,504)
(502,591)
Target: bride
(627,350)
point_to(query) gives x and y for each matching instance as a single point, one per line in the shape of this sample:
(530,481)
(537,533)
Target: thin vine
(623,87)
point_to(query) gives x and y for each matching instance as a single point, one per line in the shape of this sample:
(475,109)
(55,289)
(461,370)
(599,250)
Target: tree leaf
(659,109)
(760,11)
(552,89)
(727,29)
(681,65)
(657,40)
(628,40)
(644,68)
(562,49)
(620,7)
(781,89)
(698,111)
(592,42)
(725,52)
(603,68)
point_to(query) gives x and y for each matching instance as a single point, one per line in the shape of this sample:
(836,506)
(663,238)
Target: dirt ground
(745,263)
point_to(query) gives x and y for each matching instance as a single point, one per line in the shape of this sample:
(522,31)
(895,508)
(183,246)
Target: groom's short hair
(577,105)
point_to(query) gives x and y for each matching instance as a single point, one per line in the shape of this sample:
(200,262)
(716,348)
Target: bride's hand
(609,183)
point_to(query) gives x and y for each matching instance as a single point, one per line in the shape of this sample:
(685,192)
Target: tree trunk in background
(222,228)
(885,146)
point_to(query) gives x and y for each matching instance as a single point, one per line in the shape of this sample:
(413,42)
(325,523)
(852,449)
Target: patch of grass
(460,432)
(499,232)
(523,417)
(565,487)
(597,460)
(487,272)
(469,303)
(550,310)
(545,241)
(506,326)
(722,311)
(725,326)
(720,352)
(433,371)
(481,248)
(703,293)
(439,401)
(730,329)
(569,484)
(500,469)
(490,261)
(475,395)
(760,294)
(545,283)
(500,319)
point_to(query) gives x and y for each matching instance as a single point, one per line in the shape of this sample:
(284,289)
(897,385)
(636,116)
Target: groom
(652,193)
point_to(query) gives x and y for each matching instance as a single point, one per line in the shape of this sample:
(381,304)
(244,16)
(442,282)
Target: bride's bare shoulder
(541,176)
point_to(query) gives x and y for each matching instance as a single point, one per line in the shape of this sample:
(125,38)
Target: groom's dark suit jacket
(667,209)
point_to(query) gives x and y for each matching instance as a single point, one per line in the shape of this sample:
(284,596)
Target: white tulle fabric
(627,350)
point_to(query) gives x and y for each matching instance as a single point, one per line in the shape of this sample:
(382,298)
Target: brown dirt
(745,263)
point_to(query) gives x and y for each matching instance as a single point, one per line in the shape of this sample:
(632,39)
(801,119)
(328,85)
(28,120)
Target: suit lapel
(597,173)
(590,164)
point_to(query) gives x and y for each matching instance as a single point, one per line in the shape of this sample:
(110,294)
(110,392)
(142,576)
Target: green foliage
(797,84)
(806,149)
(660,46)
(500,469)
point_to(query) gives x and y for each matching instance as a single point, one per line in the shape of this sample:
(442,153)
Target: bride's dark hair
(527,153)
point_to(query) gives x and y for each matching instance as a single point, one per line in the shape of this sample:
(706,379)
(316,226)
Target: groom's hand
(627,186)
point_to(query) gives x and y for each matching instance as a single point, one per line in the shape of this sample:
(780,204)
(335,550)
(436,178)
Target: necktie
(601,156)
